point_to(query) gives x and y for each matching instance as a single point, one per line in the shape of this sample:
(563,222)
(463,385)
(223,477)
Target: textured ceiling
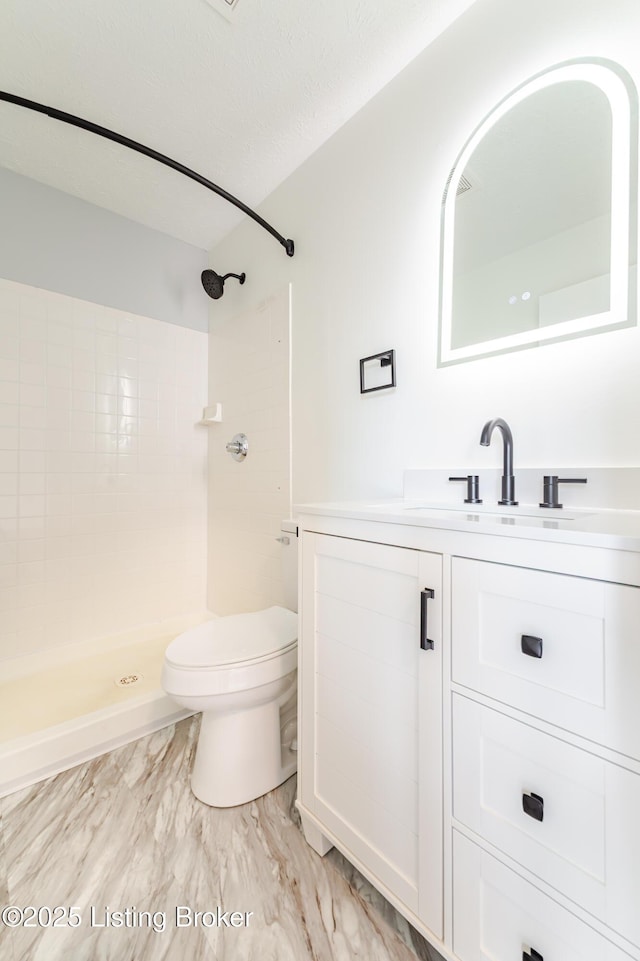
(243,102)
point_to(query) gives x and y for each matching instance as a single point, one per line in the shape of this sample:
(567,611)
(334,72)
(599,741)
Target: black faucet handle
(473,488)
(550,488)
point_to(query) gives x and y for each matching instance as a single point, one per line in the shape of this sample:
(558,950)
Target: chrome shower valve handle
(238,446)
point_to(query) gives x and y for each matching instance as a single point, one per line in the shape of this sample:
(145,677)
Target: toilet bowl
(241,672)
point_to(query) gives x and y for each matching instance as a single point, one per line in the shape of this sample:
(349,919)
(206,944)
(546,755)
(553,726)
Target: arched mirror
(539,216)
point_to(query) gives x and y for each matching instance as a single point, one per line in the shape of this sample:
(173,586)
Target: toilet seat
(229,641)
(230,654)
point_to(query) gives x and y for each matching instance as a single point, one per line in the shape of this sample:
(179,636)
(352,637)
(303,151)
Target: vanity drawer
(567,816)
(561,648)
(498,916)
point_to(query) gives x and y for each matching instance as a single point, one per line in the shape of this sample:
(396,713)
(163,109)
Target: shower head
(213,283)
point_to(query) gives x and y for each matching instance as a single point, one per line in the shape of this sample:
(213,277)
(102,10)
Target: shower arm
(70,118)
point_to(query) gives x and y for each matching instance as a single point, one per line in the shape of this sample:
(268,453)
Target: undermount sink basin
(511,513)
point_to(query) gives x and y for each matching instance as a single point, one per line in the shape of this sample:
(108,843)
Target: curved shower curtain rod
(148,152)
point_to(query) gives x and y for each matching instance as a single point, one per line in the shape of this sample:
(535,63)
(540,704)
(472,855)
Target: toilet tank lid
(238,637)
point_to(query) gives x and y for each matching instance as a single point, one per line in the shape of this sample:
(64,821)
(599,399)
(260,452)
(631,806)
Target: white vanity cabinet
(489,785)
(545,673)
(371,711)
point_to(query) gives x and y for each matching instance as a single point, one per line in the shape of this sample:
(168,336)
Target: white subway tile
(82,440)
(9,392)
(58,376)
(107,422)
(94,382)
(32,417)
(60,334)
(82,462)
(127,325)
(58,397)
(106,343)
(33,352)
(107,442)
(9,415)
(57,440)
(84,358)
(31,505)
(32,439)
(83,379)
(8,576)
(31,550)
(8,485)
(105,320)
(33,324)
(8,344)
(82,420)
(29,527)
(60,355)
(84,339)
(33,483)
(58,483)
(8,506)
(57,546)
(31,373)
(106,364)
(33,395)
(9,369)
(84,483)
(9,438)
(106,384)
(29,461)
(128,368)
(58,525)
(31,572)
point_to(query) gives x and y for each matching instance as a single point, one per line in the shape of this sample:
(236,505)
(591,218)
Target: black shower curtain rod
(148,152)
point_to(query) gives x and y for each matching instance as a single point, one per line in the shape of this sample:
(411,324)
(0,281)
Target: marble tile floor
(124,832)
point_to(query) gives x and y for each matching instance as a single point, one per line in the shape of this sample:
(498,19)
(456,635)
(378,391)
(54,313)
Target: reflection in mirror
(537,220)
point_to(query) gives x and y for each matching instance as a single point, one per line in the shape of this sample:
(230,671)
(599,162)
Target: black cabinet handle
(530,645)
(533,805)
(533,956)
(425,596)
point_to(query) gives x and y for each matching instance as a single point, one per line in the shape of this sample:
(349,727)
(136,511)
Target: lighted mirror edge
(616,84)
(570,328)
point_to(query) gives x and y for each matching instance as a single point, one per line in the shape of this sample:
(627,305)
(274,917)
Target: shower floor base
(64,714)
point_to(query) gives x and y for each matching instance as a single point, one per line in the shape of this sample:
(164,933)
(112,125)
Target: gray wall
(52,240)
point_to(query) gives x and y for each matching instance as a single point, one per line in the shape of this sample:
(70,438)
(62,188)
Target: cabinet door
(371,711)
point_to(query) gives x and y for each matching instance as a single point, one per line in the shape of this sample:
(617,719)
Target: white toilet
(241,672)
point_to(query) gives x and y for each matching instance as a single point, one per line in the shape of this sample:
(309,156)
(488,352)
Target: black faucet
(508,480)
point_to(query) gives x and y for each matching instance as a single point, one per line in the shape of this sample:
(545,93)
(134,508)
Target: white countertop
(618,530)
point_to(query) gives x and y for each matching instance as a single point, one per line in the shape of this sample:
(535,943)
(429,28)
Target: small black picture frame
(378,372)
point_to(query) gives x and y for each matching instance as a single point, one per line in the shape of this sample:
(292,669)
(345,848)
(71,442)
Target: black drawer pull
(531,645)
(533,805)
(425,643)
(533,956)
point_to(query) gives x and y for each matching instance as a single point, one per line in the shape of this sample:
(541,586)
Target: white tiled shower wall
(102,470)
(249,374)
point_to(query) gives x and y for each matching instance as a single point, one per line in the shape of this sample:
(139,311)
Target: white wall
(52,240)
(102,470)
(248,499)
(364,212)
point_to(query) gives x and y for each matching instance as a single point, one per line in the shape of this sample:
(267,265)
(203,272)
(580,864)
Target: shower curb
(26,760)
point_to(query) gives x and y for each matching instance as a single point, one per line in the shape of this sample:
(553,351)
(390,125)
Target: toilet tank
(289,563)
